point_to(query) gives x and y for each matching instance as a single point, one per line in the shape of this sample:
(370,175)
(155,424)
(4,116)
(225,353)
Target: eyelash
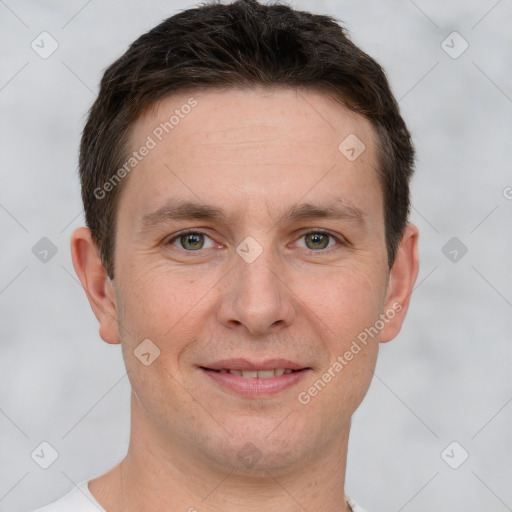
(339,240)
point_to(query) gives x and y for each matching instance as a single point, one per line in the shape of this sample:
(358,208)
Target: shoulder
(78,499)
(354,506)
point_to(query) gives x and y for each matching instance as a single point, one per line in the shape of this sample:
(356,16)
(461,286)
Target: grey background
(445,378)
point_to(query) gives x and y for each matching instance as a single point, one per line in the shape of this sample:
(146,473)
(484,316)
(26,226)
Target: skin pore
(256,163)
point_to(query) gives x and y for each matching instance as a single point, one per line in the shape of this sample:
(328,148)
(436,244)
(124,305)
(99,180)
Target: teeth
(265,374)
(259,374)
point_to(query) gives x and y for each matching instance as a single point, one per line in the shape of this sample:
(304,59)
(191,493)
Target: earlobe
(98,287)
(401,283)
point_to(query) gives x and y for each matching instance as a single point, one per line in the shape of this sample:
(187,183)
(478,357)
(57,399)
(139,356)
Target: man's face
(268,278)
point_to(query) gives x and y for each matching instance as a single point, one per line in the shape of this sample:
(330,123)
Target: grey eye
(192,241)
(317,240)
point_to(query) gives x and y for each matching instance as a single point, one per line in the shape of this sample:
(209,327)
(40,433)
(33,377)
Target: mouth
(255,374)
(255,380)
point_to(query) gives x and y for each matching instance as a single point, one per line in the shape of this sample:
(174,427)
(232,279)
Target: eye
(192,241)
(318,240)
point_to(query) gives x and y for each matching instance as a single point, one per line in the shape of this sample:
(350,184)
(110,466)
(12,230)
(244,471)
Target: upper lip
(245,364)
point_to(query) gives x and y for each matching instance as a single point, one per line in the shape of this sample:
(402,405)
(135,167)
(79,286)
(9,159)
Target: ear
(401,283)
(98,287)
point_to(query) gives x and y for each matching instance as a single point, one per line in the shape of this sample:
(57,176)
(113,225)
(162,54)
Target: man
(245,178)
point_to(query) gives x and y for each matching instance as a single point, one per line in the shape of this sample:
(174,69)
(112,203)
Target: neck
(157,474)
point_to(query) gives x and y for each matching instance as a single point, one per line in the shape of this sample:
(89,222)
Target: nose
(255,296)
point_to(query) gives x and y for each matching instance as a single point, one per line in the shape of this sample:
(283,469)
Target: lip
(245,364)
(255,388)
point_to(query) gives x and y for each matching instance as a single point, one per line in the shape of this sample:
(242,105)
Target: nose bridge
(256,297)
(257,273)
(256,269)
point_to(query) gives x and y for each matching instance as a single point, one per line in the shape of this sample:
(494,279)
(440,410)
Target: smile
(257,374)
(255,380)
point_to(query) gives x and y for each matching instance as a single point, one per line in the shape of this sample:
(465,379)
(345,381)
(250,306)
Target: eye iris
(317,238)
(192,241)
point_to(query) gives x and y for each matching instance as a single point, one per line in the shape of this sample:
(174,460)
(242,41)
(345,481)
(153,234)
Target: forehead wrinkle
(241,143)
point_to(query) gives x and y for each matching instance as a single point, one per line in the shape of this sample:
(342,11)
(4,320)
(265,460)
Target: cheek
(159,300)
(169,308)
(346,309)
(345,301)
(162,308)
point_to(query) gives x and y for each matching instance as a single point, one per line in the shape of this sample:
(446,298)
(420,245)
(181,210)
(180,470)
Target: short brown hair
(241,44)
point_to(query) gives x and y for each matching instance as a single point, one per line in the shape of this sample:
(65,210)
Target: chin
(262,445)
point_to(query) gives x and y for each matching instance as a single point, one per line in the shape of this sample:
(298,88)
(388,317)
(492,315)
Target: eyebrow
(190,210)
(338,210)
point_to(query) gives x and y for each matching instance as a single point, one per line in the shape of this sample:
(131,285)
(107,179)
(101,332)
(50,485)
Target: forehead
(251,147)
(229,115)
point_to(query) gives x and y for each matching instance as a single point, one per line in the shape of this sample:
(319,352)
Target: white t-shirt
(80,499)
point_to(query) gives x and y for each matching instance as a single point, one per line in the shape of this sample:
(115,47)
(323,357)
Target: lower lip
(256,388)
